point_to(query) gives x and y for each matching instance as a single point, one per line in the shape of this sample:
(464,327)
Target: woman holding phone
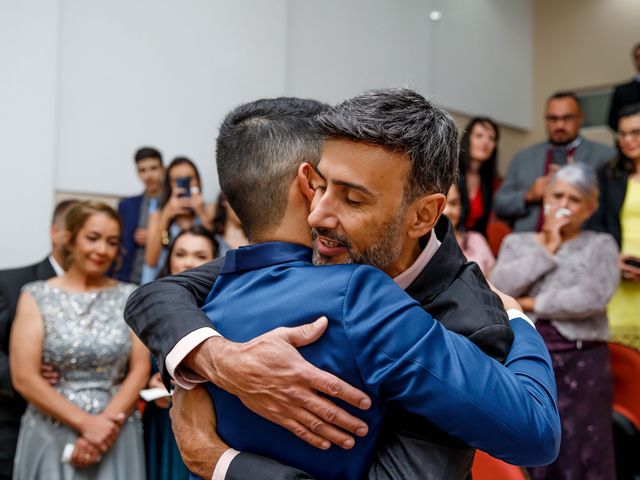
(181,206)
(619,215)
(565,277)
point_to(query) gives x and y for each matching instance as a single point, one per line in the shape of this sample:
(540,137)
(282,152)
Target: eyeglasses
(632,134)
(561,118)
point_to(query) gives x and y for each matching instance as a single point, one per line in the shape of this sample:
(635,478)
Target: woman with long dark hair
(181,206)
(478,169)
(189,249)
(619,215)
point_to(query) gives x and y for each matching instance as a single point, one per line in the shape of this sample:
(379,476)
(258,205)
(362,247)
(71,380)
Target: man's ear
(424,213)
(305,172)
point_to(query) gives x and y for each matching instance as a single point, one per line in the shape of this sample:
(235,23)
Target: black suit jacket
(625,94)
(613,189)
(12,405)
(451,289)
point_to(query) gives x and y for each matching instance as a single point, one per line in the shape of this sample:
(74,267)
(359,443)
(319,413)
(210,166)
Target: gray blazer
(526,166)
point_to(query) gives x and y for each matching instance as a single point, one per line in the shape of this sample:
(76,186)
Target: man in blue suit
(134,212)
(379,339)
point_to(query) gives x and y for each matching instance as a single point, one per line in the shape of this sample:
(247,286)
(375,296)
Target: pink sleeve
(184,377)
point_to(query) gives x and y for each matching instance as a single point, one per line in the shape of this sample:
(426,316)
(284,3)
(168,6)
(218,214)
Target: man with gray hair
(376,178)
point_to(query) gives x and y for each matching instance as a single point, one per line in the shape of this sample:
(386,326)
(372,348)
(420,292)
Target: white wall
(341,48)
(482,58)
(28,98)
(162,73)
(90,81)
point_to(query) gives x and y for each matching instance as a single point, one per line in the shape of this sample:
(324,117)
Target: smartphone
(633,262)
(185,184)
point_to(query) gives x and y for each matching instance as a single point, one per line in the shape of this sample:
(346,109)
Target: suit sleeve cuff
(220,472)
(515,313)
(183,376)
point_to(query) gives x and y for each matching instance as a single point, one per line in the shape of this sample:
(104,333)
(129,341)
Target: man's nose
(322,213)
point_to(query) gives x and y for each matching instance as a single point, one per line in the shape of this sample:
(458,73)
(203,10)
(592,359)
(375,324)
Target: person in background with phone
(565,277)
(619,215)
(519,199)
(181,206)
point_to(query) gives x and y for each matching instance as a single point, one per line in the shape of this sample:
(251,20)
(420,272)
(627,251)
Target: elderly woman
(565,277)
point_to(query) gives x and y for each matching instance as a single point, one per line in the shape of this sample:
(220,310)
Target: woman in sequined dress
(565,277)
(83,427)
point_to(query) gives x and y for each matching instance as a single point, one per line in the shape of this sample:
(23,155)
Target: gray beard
(384,251)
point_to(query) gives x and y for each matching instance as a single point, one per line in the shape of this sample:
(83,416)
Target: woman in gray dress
(83,427)
(565,277)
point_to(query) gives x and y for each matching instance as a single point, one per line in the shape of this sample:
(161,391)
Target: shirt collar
(261,255)
(407,277)
(56,266)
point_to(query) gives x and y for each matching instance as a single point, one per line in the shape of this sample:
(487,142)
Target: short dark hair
(147,152)
(402,121)
(635,48)
(259,148)
(62,208)
(566,94)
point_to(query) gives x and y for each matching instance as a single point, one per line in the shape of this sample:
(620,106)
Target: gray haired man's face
(357,213)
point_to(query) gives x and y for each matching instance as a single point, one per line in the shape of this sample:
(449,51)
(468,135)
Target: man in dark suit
(12,405)
(519,198)
(627,93)
(468,294)
(134,212)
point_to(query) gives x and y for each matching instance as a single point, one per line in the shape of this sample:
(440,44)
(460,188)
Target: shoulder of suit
(531,150)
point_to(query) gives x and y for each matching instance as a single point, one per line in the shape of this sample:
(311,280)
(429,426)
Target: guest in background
(181,206)
(519,198)
(619,215)
(565,277)
(190,249)
(75,324)
(473,244)
(627,93)
(12,405)
(227,227)
(135,212)
(478,167)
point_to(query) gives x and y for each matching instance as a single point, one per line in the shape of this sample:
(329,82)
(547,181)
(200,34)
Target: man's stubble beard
(385,250)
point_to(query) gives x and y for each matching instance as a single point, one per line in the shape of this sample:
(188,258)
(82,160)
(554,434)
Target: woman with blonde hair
(83,426)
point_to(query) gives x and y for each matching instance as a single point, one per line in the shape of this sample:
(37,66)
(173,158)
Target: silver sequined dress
(87,341)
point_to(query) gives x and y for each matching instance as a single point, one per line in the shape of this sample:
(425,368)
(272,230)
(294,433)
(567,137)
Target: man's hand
(537,189)
(49,373)
(508,302)
(271,378)
(193,420)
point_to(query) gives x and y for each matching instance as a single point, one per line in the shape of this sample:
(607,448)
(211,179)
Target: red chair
(625,366)
(496,231)
(485,467)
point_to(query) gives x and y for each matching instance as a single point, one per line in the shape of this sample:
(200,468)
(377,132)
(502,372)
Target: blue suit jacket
(381,341)
(129,210)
